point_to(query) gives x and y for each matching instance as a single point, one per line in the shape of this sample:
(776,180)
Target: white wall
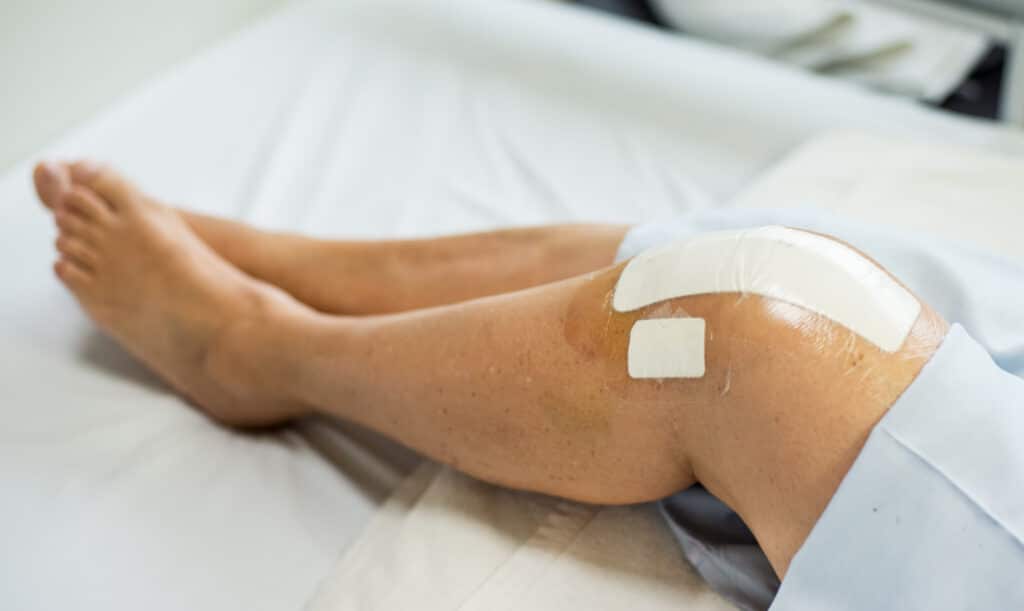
(63,60)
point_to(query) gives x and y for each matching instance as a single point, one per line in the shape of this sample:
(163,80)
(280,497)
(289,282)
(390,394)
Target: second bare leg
(369,277)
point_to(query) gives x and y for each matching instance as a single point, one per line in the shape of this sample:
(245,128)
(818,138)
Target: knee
(733,348)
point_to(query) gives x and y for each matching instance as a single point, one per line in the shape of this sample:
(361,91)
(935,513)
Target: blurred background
(955,54)
(63,60)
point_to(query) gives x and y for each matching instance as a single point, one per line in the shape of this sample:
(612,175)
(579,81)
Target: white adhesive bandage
(805,269)
(667,348)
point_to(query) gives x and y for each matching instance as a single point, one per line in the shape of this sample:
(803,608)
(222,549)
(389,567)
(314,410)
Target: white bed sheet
(948,192)
(362,118)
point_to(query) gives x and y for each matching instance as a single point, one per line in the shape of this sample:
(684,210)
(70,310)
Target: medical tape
(798,267)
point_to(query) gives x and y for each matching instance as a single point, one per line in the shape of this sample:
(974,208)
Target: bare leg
(530,390)
(363,277)
(526,389)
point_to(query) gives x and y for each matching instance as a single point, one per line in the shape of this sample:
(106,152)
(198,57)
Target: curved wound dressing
(798,267)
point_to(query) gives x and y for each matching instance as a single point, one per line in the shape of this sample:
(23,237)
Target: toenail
(85,170)
(51,169)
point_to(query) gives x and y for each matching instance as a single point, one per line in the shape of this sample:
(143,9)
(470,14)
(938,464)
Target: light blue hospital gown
(931,515)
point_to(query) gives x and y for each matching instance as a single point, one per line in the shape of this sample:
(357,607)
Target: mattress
(357,118)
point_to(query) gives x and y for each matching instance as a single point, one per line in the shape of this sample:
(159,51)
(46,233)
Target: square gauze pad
(667,348)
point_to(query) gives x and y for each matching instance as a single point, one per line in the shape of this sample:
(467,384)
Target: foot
(151,284)
(293,263)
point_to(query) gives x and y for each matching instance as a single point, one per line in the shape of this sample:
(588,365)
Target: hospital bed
(373,119)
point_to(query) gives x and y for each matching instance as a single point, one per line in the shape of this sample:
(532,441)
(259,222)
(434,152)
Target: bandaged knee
(804,269)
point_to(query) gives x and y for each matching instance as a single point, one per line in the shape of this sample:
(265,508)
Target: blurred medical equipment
(857,41)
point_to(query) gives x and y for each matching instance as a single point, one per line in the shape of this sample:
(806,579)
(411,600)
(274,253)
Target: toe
(77,251)
(73,224)
(107,183)
(74,276)
(87,204)
(52,181)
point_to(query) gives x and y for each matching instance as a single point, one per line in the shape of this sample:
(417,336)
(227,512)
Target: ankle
(254,251)
(247,357)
